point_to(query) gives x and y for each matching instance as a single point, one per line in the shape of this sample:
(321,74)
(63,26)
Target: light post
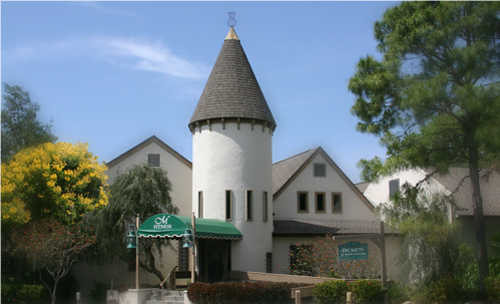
(187,238)
(133,243)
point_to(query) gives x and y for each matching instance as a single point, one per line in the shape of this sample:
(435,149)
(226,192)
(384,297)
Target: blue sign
(353,251)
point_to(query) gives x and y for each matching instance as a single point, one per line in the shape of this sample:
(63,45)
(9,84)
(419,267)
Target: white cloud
(153,57)
(131,53)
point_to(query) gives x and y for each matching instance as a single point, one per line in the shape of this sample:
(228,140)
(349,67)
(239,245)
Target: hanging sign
(353,251)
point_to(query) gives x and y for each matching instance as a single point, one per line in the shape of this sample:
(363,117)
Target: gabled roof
(362,186)
(152,139)
(232,91)
(285,171)
(457,181)
(295,227)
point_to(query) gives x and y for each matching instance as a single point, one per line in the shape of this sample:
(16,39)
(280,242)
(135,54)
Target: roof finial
(231,22)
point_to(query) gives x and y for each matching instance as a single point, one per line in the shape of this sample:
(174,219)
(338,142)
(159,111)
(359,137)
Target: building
(281,208)
(456,183)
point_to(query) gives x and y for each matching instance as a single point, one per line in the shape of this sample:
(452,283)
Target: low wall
(131,296)
(276,277)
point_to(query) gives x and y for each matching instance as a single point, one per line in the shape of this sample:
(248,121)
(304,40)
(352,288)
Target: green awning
(173,226)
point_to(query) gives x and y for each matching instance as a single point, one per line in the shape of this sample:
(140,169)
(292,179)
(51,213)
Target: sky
(111,74)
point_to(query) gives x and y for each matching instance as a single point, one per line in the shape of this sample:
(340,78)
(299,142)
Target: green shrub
(240,292)
(367,291)
(445,290)
(397,293)
(330,292)
(492,284)
(23,293)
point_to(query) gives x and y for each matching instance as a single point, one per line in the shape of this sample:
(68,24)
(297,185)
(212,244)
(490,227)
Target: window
(200,204)
(393,187)
(229,208)
(319,170)
(269,262)
(302,205)
(264,206)
(320,202)
(249,205)
(154,160)
(336,203)
(301,262)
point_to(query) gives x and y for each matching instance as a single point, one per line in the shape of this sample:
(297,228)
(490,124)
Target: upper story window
(302,203)
(154,160)
(319,170)
(320,202)
(249,202)
(264,206)
(229,205)
(200,204)
(393,187)
(336,202)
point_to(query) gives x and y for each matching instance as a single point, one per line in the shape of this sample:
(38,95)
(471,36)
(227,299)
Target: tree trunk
(149,264)
(53,294)
(478,215)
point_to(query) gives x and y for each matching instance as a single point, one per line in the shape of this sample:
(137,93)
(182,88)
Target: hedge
(330,292)
(240,292)
(364,291)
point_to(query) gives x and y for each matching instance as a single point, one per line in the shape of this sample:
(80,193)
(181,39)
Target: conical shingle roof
(232,91)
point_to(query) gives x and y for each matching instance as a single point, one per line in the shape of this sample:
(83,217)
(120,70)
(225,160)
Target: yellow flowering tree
(60,180)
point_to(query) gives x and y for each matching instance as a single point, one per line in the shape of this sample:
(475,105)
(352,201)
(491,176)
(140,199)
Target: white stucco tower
(232,130)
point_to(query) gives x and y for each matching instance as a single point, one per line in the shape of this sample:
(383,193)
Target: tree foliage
(370,169)
(53,247)
(21,127)
(430,247)
(434,97)
(142,191)
(60,181)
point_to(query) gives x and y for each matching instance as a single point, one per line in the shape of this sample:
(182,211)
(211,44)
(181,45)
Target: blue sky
(114,73)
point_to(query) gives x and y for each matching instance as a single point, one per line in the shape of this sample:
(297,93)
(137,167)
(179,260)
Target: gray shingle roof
(232,91)
(284,169)
(457,180)
(292,227)
(308,227)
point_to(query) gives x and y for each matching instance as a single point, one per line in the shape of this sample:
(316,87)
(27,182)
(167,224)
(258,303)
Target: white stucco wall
(178,173)
(353,208)
(237,160)
(378,192)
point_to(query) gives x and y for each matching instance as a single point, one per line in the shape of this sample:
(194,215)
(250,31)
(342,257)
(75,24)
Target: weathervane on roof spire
(231,22)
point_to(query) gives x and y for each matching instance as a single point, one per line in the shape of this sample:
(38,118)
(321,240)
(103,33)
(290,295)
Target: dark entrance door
(214,260)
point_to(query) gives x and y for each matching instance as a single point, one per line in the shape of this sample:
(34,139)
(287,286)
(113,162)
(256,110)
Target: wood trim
(143,144)
(335,167)
(295,174)
(347,180)
(238,120)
